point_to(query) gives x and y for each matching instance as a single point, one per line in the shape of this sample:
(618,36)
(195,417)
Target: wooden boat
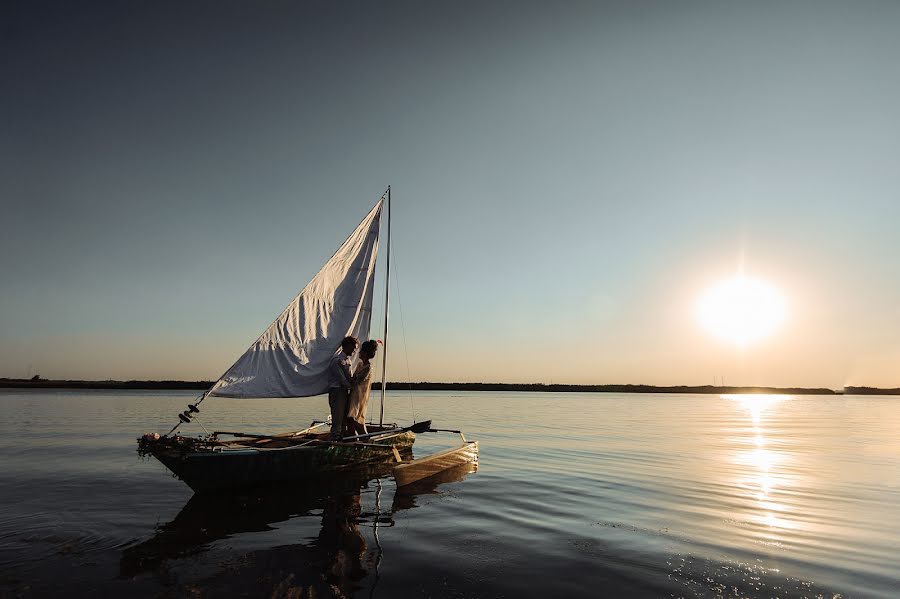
(291,359)
(210,464)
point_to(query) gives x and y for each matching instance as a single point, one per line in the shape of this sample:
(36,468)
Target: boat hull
(213,470)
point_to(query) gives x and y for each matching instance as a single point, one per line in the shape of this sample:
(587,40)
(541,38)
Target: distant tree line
(710,389)
(39,383)
(147,385)
(870,391)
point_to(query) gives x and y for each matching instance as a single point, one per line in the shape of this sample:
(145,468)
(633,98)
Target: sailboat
(290,359)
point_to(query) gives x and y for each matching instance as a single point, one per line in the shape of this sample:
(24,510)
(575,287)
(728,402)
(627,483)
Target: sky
(567,179)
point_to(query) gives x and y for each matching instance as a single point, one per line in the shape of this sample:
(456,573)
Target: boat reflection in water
(190,553)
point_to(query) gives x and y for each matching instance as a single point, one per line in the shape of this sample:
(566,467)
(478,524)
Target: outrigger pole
(387,288)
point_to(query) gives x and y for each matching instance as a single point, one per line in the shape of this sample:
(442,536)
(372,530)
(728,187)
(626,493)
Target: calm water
(575,495)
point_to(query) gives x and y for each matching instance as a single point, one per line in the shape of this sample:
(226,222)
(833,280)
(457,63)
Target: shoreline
(171,385)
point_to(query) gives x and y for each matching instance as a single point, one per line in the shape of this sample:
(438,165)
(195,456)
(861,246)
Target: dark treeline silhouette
(425,386)
(870,391)
(604,388)
(146,385)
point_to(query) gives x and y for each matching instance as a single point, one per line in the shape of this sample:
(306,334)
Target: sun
(741,310)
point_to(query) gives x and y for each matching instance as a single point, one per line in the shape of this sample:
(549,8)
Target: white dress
(359,392)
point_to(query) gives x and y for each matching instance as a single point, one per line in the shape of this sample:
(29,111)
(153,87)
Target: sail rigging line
(409,390)
(186,416)
(387,305)
(412,406)
(197,420)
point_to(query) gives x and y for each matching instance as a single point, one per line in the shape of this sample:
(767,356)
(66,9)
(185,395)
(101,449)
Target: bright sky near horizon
(568,181)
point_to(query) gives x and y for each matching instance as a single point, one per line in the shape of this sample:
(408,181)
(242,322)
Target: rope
(197,403)
(412,407)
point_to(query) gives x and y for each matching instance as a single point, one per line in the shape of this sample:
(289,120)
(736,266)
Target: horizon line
(173,384)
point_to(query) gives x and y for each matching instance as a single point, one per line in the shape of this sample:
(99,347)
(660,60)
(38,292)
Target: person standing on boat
(339,383)
(359,392)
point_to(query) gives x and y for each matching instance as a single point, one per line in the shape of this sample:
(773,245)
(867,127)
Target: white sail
(291,357)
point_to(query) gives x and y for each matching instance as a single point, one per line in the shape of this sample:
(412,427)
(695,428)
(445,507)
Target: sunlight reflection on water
(768,464)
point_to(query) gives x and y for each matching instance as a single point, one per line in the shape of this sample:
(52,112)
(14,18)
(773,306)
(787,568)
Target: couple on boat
(348,392)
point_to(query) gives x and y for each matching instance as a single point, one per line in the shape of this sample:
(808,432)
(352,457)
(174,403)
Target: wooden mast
(387,287)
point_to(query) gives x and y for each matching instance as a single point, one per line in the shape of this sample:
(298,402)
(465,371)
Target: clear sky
(568,178)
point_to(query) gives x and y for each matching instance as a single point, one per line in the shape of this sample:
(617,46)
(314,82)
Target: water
(575,495)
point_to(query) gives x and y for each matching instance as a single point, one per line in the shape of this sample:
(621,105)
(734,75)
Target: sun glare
(741,310)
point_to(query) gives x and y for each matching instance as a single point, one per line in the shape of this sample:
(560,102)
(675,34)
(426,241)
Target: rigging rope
(396,278)
(412,407)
